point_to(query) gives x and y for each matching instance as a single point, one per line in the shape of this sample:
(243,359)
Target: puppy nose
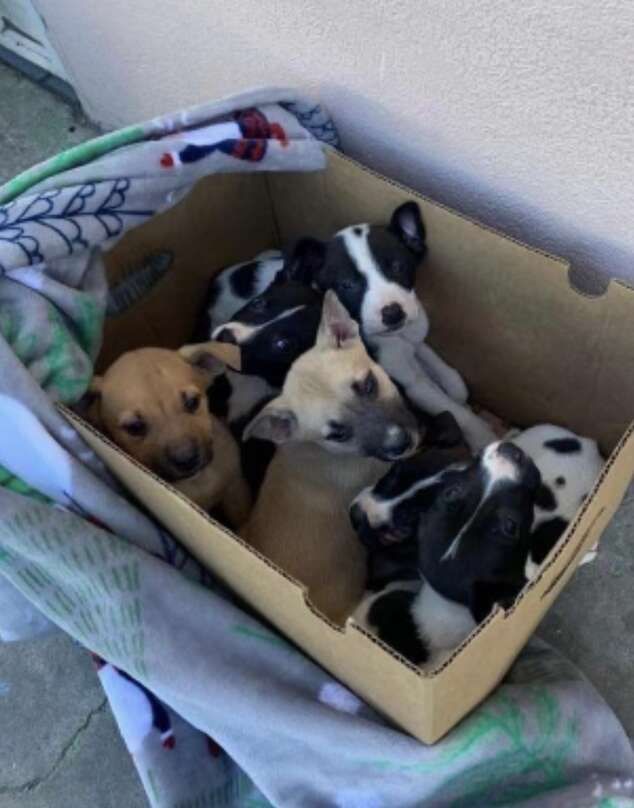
(398,441)
(511,452)
(226,335)
(392,315)
(185,457)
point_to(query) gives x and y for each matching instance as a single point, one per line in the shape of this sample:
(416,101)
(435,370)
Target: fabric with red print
(246,135)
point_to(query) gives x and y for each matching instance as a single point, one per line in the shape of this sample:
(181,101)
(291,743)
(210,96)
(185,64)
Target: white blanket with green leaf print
(216,709)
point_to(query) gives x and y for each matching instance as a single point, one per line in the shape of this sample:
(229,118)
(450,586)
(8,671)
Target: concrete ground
(59,746)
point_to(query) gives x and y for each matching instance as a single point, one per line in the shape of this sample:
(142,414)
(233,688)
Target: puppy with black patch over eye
(373,271)
(274,328)
(234,286)
(338,420)
(152,403)
(272,331)
(569,465)
(472,542)
(385,516)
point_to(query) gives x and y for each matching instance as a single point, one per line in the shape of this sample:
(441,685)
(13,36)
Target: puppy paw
(589,557)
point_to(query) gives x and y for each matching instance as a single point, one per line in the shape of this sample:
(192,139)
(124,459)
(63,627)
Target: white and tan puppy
(152,403)
(338,420)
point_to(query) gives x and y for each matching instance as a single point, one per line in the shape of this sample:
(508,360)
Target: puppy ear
(337,329)
(407,224)
(89,406)
(211,358)
(274,422)
(304,262)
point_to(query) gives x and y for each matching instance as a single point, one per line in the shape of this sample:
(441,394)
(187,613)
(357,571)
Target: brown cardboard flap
(530,347)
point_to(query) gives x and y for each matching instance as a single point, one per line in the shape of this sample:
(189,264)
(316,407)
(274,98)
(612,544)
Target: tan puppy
(340,418)
(152,403)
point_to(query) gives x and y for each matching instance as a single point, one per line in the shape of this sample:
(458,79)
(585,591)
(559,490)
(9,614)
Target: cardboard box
(530,348)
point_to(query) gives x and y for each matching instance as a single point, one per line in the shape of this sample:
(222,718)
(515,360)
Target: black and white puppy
(233,287)
(385,516)
(272,330)
(372,268)
(569,465)
(473,540)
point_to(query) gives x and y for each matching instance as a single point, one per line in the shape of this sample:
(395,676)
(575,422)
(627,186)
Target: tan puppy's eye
(136,427)
(191,402)
(368,387)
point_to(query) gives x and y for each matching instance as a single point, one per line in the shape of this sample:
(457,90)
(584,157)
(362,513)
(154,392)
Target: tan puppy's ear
(337,329)
(212,356)
(89,406)
(274,422)
(199,357)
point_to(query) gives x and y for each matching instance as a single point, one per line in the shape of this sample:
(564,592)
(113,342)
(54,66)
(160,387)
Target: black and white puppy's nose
(226,335)
(392,315)
(511,452)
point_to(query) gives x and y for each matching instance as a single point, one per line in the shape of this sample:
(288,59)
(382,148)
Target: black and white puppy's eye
(368,387)
(191,402)
(452,494)
(281,344)
(346,285)
(509,527)
(137,428)
(339,433)
(259,303)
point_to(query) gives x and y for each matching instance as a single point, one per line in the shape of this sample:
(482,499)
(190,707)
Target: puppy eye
(191,402)
(137,428)
(452,494)
(259,303)
(281,344)
(367,387)
(397,267)
(346,285)
(339,433)
(509,527)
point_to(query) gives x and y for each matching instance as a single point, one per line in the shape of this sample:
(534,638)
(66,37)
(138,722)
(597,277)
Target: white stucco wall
(520,114)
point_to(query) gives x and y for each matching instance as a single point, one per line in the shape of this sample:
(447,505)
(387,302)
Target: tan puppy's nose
(184,456)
